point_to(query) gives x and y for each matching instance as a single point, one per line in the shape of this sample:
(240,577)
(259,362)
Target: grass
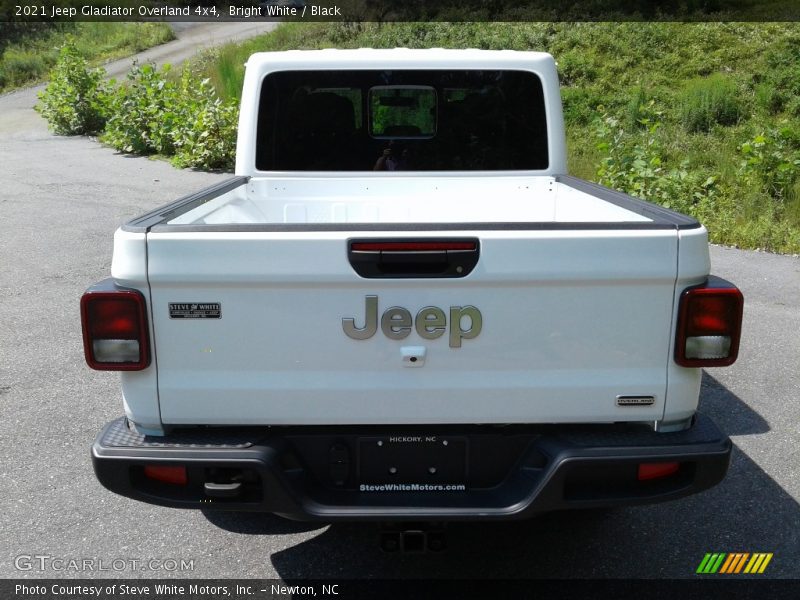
(31,53)
(709,101)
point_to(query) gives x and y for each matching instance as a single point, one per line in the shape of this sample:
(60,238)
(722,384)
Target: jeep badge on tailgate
(430,323)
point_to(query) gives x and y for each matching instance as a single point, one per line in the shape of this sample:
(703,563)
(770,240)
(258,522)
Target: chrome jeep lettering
(457,314)
(431,323)
(370,322)
(466,323)
(396,323)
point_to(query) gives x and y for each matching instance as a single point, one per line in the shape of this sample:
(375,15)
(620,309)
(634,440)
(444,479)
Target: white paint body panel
(139,388)
(572,317)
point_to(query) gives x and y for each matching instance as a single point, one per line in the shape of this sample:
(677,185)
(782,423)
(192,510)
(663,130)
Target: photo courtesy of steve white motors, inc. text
(172,590)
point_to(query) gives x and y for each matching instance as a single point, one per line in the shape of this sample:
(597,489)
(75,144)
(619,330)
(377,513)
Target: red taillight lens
(649,471)
(167,474)
(710,313)
(114,318)
(115,334)
(709,325)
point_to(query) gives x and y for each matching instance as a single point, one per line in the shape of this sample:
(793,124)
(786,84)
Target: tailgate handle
(409,258)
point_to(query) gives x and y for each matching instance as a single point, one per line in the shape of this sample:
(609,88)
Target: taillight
(115,334)
(709,325)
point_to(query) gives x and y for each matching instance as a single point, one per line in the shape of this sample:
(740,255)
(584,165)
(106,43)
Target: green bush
(709,101)
(75,102)
(634,164)
(771,162)
(185,119)
(143,113)
(206,137)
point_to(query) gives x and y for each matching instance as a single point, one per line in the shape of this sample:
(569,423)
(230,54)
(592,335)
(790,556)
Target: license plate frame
(412,459)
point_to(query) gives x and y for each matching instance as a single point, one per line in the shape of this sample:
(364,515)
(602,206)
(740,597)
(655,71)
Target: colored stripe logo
(734,563)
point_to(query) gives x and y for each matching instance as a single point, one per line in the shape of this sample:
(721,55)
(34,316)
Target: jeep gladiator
(401,307)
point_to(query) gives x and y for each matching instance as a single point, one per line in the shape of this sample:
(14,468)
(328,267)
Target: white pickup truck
(402,308)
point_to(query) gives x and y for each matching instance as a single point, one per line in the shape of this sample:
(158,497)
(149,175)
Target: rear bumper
(332,474)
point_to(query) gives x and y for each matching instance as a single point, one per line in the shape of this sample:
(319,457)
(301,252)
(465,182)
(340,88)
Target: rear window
(401,121)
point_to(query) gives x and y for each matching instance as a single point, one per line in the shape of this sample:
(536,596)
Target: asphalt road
(60,201)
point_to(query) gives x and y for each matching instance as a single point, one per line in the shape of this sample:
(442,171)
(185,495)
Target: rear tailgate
(571,320)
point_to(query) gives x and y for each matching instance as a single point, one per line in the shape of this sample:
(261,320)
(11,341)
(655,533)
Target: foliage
(75,102)
(781,75)
(144,112)
(636,166)
(152,112)
(31,50)
(709,101)
(155,114)
(734,210)
(696,116)
(206,138)
(771,161)
(402,108)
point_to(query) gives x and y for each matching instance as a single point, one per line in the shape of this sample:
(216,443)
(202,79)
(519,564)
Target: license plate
(412,459)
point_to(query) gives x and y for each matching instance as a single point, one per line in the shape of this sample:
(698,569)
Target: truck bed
(408,200)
